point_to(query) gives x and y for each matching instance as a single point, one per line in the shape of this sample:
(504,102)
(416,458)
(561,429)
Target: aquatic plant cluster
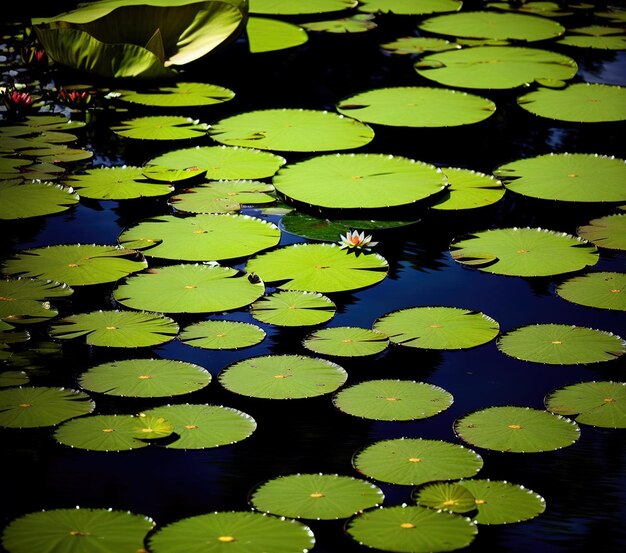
(332,275)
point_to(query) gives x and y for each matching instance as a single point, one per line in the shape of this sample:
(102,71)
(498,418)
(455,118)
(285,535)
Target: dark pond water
(583,484)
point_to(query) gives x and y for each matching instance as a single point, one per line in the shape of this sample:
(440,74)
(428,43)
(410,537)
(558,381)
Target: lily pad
(24,300)
(57,153)
(283,377)
(289,7)
(21,200)
(359,23)
(346,341)
(517,430)
(204,426)
(239,532)
(122,329)
(392,400)
(560,344)
(417,107)
(315,496)
(413,461)
(546,9)
(222,196)
(524,252)
(595,403)
(164,175)
(418,45)
(437,327)
(445,496)
(36,406)
(495,67)
(578,102)
(293,308)
(117,183)
(408,7)
(145,378)
(188,288)
(318,268)
(79,530)
(161,127)
(468,189)
(606,232)
(601,37)
(355,181)
(222,335)
(13,378)
(45,123)
(223,162)
(203,237)
(269,35)
(76,264)
(179,94)
(605,290)
(567,177)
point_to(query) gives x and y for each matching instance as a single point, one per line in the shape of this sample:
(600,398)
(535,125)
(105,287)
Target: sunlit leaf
(269,35)
(222,335)
(161,127)
(33,199)
(344,341)
(605,290)
(606,232)
(293,308)
(178,94)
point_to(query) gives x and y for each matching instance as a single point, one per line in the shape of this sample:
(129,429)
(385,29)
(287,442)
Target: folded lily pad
(24,300)
(222,196)
(468,189)
(606,232)
(293,308)
(222,335)
(345,341)
(605,290)
(21,200)
(269,35)
(408,7)
(178,94)
(161,127)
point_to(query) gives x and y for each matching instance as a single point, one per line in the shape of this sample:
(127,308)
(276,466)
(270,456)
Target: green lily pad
(291,130)
(392,400)
(516,430)
(39,355)
(43,171)
(35,406)
(45,123)
(57,153)
(122,329)
(112,432)
(567,177)
(411,529)
(13,378)
(179,94)
(145,378)
(605,290)
(354,181)
(445,496)
(524,252)
(76,264)
(601,37)
(293,308)
(417,106)
(606,232)
(468,189)
(595,403)
(413,461)
(161,127)
(359,23)
(21,200)
(223,162)
(437,327)
(346,341)
(409,7)
(222,335)
(269,35)
(204,426)
(318,268)
(202,237)
(578,102)
(237,532)
(289,7)
(493,25)
(79,530)
(283,377)
(117,183)
(12,167)
(410,45)
(164,175)
(24,300)
(315,496)
(560,344)
(222,196)
(188,288)
(495,67)
(546,9)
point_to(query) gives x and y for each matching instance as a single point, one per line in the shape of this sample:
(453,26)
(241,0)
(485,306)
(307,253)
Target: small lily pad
(170,176)
(546,9)
(605,290)
(293,308)
(445,496)
(161,127)
(222,196)
(22,200)
(222,335)
(13,378)
(359,23)
(45,123)
(346,341)
(24,300)
(269,35)
(600,37)
(468,189)
(409,7)
(418,45)
(606,232)
(179,94)
(289,7)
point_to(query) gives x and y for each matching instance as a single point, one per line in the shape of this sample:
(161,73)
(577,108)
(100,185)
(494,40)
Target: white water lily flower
(356,240)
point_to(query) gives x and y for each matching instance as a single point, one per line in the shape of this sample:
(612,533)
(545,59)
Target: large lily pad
(524,252)
(346,341)
(76,264)
(161,127)
(417,107)
(579,102)
(291,130)
(122,329)
(34,406)
(560,344)
(315,496)
(203,237)
(516,430)
(318,268)
(606,232)
(269,35)
(356,180)
(21,200)
(495,67)
(392,400)
(222,196)
(79,530)
(283,377)
(413,461)
(468,189)
(289,7)
(293,308)
(179,94)
(567,177)
(437,327)
(600,37)
(605,290)
(145,378)
(408,7)
(189,288)
(24,300)
(600,404)
(222,335)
